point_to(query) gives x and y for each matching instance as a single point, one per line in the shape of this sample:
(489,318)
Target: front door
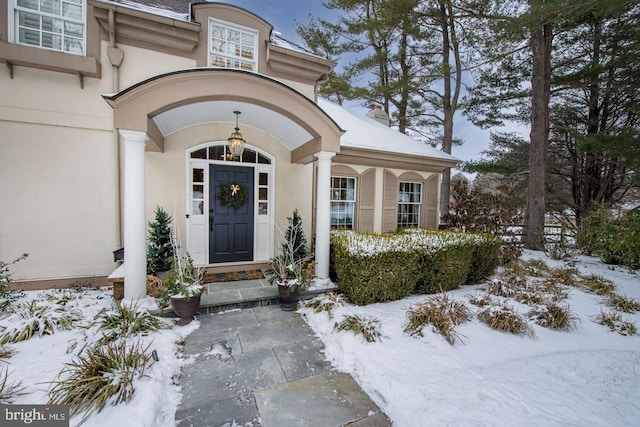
(230,230)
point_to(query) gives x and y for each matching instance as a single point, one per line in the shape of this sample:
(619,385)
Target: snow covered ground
(37,361)
(588,376)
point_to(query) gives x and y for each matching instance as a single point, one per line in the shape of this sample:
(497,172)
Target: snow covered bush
(366,326)
(31,318)
(614,321)
(8,295)
(506,319)
(555,316)
(325,302)
(439,311)
(125,320)
(103,374)
(375,268)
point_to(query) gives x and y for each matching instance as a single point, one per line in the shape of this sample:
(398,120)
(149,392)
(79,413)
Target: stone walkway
(262,366)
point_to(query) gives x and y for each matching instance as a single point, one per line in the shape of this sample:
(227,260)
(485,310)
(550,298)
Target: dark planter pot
(288,300)
(185,308)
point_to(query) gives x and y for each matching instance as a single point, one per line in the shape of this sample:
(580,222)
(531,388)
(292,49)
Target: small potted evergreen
(292,269)
(183,286)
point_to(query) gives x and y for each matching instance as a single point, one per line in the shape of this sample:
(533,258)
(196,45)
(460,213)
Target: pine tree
(295,241)
(159,251)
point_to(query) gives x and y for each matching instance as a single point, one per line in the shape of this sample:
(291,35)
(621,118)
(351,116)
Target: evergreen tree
(295,241)
(159,251)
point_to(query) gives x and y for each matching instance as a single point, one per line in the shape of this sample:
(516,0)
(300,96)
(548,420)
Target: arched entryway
(147,113)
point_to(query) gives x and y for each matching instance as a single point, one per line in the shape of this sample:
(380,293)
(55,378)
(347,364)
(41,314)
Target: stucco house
(109,108)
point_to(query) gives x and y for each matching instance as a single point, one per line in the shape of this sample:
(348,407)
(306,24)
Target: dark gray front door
(230,231)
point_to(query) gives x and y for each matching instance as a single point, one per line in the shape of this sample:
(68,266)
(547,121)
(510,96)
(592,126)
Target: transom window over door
(51,24)
(232,46)
(343,200)
(409,201)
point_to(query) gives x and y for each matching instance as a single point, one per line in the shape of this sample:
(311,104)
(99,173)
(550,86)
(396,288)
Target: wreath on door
(232,195)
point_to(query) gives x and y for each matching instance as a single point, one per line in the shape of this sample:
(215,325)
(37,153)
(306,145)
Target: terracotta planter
(288,300)
(185,308)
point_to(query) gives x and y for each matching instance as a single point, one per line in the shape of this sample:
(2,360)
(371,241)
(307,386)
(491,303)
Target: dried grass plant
(443,313)
(366,326)
(505,319)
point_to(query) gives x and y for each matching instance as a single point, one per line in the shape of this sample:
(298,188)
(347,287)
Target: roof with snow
(367,134)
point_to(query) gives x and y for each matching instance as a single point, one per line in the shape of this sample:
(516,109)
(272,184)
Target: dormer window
(232,46)
(50,24)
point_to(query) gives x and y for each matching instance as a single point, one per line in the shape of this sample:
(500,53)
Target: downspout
(116,56)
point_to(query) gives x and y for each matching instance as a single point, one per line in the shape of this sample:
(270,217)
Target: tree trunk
(541,38)
(450,96)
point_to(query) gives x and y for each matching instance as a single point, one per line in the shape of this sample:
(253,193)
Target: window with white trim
(51,24)
(409,201)
(232,46)
(343,201)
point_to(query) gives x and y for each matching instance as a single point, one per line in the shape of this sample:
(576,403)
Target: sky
(285,14)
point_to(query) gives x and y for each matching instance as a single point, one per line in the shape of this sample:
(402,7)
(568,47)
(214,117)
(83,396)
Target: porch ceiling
(285,130)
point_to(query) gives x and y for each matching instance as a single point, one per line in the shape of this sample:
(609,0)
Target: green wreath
(232,195)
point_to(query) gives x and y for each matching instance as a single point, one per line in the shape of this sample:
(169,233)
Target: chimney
(377,113)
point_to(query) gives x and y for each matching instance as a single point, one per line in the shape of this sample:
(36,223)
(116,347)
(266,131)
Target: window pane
(216,152)
(72,45)
(72,11)
(29,4)
(51,41)
(263,208)
(197,207)
(30,20)
(263,160)
(198,175)
(50,6)
(263,178)
(29,37)
(71,29)
(262,194)
(199,154)
(249,156)
(198,191)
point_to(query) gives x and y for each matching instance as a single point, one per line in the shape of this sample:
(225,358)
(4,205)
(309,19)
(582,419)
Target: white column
(323,221)
(135,244)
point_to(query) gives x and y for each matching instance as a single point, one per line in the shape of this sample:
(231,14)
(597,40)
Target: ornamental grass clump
(613,320)
(103,375)
(7,295)
(367,326)
(31,318)
(125,320)
(622,303)
(597,285)
(441,312)
(555,316)
(325,302)
(505,319)
(9,390)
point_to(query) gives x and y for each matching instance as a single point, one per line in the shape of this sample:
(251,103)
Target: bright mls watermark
(34,415)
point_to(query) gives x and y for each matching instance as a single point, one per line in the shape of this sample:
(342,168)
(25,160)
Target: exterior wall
(141,64)
(377,196)
(58,175)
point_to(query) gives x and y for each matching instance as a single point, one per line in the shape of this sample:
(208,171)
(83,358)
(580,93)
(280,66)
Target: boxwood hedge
(384,267)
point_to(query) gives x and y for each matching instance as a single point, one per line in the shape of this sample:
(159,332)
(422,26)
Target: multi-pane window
(222,153)
(231,46)
(409,201)
(51,24)
(343,200)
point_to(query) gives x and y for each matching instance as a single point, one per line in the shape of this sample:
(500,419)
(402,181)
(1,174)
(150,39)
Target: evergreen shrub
(614,241)
(159,250)
(374,268)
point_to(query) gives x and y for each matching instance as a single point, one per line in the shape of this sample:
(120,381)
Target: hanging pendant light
(236,141)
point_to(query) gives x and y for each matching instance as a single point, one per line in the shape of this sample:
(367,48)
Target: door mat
(233,276)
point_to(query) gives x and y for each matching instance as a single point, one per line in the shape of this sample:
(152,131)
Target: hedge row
(375,268)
